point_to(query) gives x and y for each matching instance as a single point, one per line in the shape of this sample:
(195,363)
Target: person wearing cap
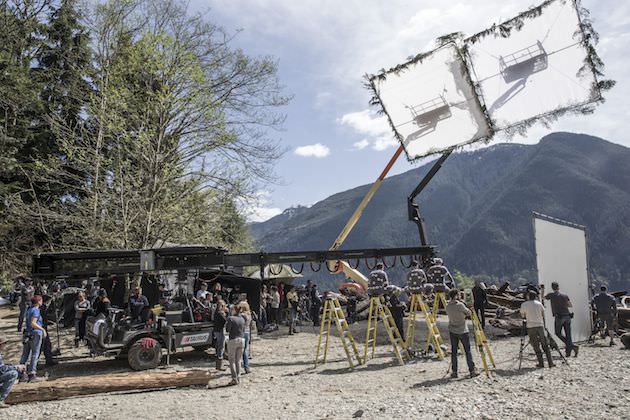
(102,303)
(8,375)
(33,337)
(457,312)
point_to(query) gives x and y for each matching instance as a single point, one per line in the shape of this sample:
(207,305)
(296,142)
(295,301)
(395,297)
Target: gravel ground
(283,384)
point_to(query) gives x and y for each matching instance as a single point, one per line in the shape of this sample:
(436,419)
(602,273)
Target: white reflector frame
(561,256)
(534,69)
(431,103)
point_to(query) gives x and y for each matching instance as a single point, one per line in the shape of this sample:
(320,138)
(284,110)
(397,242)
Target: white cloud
(384,142)
(360,145)
(316,150)
(258,208)
(365,122)
(260,214)
(368,123)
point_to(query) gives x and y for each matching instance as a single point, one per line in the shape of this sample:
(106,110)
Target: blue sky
(333,138)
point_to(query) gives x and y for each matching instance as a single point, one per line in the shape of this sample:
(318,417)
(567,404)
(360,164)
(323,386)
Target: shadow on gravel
(371,367)
(292,363)
(432,382)
(514,372)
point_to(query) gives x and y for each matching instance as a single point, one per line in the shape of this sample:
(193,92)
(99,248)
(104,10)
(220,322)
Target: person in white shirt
(202,292)
(275,305)
(534,313)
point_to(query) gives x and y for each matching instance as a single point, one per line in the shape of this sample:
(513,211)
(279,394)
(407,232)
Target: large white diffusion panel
(561,257)
(534,70)
(431,103)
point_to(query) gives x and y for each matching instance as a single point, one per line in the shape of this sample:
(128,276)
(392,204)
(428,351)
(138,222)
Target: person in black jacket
(316,305)
(480,299)
(102,303)
(397,309)
(46,343)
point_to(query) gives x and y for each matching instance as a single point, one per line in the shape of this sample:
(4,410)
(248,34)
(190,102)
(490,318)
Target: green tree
(463,281)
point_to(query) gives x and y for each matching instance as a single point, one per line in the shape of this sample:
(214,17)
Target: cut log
(97,384)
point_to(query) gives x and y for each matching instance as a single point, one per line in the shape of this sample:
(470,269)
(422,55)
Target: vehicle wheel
(141,358)
(202,348)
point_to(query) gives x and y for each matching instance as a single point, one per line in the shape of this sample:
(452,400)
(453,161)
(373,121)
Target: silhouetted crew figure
(480,299)
(606,306)
(439,275)
(377,281)
(416,278)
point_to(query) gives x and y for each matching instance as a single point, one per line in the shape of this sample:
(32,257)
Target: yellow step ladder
(378,309)
(440,298)
(433,333)
(333,310)
(481,342)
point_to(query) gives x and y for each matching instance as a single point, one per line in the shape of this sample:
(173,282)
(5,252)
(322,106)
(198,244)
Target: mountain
(478,209)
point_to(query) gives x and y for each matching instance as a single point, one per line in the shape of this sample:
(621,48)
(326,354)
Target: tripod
(551,342)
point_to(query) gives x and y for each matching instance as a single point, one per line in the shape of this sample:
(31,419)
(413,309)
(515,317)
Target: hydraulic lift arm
(413,208)
(359,210)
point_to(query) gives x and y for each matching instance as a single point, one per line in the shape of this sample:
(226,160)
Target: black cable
(403,262)
(356,265)
(272,272)
(367,264)
(389,266)
(296,271)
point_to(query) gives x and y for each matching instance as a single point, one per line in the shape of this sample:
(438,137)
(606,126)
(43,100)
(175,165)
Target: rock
(357,414)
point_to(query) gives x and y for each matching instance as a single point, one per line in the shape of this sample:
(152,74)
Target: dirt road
(283,384)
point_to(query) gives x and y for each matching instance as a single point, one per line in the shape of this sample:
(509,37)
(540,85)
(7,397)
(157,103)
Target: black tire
(141,358)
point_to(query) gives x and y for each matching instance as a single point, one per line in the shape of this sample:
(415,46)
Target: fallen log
(88,385)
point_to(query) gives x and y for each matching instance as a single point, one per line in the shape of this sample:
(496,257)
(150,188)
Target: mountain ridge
(478,209)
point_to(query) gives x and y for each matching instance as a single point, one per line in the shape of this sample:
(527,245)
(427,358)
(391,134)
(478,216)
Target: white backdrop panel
(534,70)
(561,257)
(432,104)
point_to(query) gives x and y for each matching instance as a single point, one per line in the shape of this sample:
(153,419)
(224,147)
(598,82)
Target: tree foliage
(128,123)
